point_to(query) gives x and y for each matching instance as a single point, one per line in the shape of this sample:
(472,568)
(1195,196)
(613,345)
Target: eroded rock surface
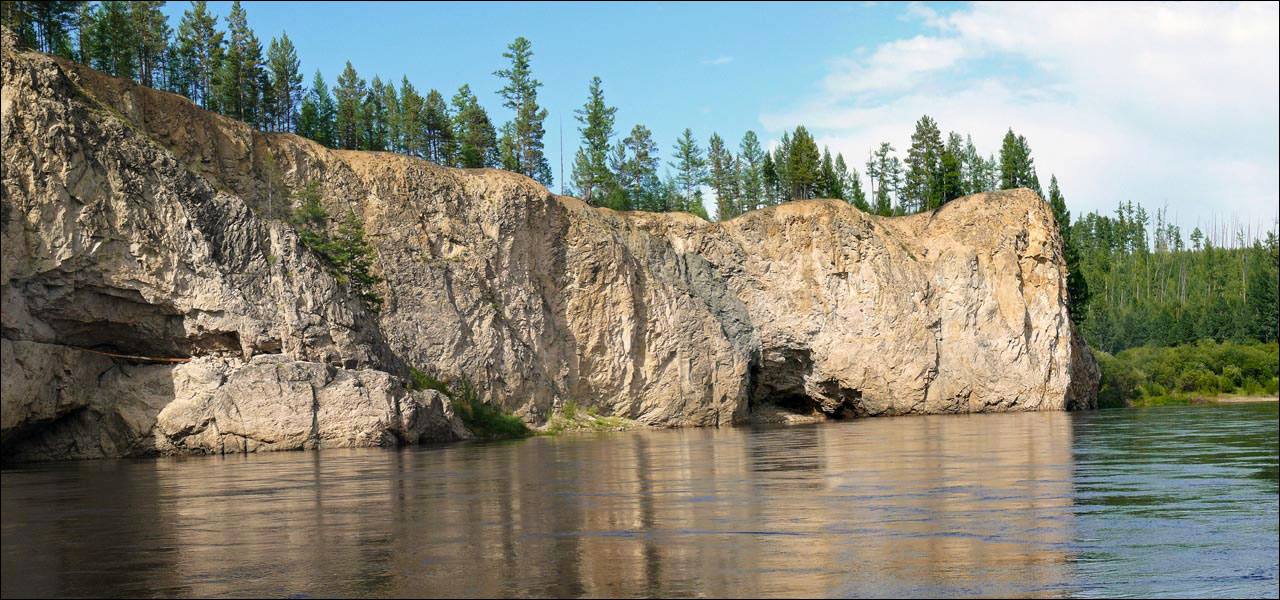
(136,223)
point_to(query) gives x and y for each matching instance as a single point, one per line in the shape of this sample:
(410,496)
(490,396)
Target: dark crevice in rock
(784,378)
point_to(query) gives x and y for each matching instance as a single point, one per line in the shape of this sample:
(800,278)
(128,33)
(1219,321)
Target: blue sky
(1170,105)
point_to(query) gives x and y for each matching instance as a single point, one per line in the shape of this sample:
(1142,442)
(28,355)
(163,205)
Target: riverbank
(1243,399)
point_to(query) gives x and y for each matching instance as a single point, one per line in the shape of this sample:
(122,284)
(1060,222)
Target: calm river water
(1136,502)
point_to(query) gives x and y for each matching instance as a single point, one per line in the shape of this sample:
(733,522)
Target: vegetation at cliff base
(484,420)
(571,418)
(1181,374)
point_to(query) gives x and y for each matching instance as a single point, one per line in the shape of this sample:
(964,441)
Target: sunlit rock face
(136,223)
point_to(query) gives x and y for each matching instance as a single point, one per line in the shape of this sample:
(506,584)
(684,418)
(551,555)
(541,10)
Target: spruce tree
(316,117)
(412,119)
(1017,168)
(804,165)
(769,176)
(752,172)
(1077,286)
(952,180)
(883,169)
(829,184)
(391,102)
(374,117)
(691,168)
(851,185)
(720,176)
(477,140)
(638,173)
(782,168)
(595,125)
(922,185)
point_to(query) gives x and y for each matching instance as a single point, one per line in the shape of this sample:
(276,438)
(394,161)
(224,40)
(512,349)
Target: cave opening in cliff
(784,379)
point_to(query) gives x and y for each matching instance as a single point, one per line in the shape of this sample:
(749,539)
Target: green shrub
(1197,379)
(1164,375)
(484,420)
(421,381)
(1232,379)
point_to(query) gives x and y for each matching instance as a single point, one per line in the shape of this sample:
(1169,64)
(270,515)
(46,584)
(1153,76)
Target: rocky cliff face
(136,223)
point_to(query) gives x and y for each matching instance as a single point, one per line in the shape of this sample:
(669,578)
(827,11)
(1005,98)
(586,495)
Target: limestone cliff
(136,223)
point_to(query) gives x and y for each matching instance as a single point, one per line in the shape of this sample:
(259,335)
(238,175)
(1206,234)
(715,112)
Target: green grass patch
(571,418)
(484,420)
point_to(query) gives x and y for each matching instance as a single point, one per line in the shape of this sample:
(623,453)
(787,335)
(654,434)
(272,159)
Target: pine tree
(151,38)
(883,170)
(240,80)
(200,45)
(438,130)
(523,136)
(349,95)
(85,30)
(595,125)
(286,83)
(691,168)
(43,26)
(114,40)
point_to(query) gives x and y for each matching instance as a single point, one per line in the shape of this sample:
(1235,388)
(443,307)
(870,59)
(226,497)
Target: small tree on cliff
(347,255)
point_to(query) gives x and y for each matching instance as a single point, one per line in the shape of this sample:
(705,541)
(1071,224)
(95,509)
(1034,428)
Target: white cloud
(1163,104)
(717,61)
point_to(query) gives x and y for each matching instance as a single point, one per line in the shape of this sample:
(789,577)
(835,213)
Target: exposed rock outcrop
(137,223)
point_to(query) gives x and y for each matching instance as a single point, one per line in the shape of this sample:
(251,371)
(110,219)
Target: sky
(1172,105)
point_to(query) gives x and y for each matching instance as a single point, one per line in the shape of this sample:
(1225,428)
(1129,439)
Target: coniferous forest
(1136,277)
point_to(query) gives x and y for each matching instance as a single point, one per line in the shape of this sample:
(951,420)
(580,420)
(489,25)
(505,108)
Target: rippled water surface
(1138,502)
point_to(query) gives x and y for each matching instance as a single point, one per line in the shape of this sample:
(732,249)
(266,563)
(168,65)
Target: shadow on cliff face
(65,403)
(784,378)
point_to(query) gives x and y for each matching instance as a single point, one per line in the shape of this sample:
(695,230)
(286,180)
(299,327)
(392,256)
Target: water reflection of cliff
(882,506)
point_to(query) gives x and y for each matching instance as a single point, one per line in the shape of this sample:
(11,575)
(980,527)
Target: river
(1134,502)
